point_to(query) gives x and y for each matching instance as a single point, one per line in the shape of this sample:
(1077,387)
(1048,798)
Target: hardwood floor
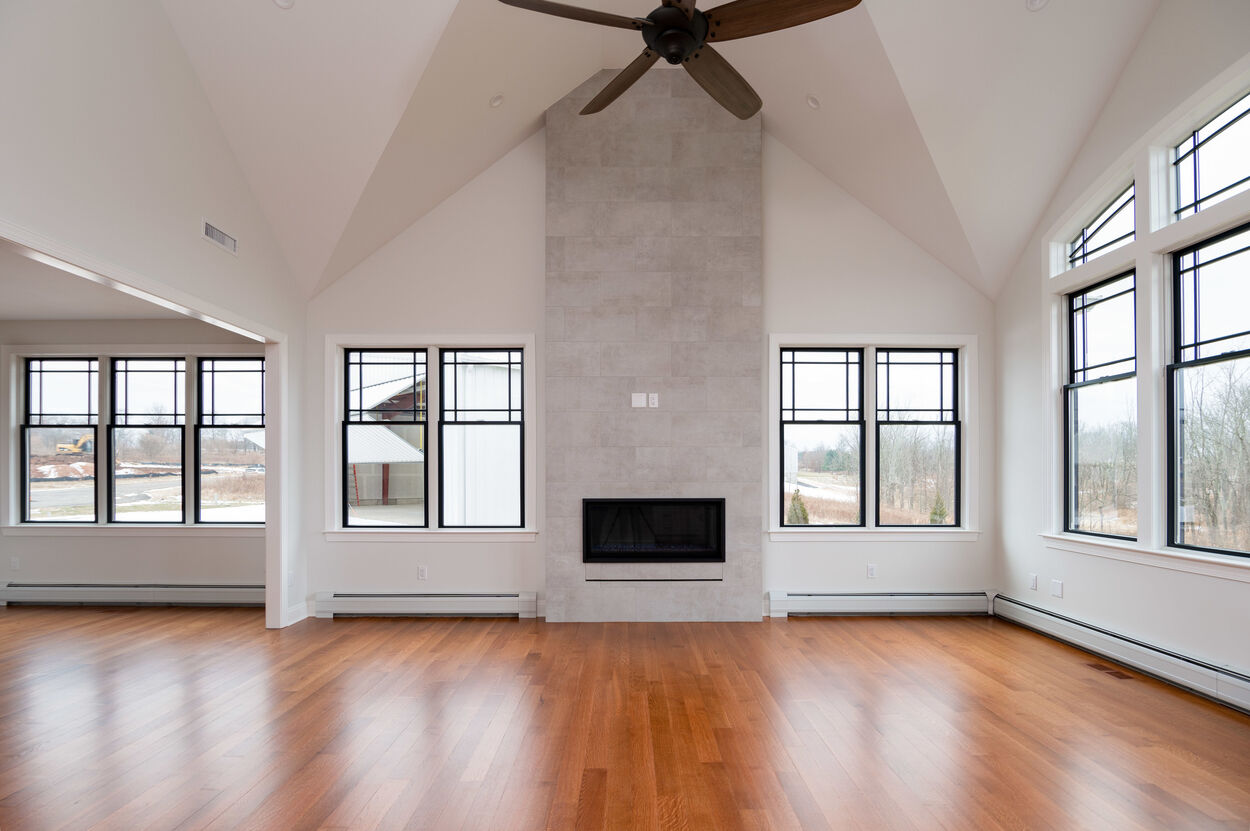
(200,718)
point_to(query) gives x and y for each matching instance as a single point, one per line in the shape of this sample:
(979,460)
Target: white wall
(1183,60)
(832,267)
(110,148)
(111,158)
(474,265)
(116,555)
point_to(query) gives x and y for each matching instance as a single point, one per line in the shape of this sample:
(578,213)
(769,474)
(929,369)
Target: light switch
(638,399)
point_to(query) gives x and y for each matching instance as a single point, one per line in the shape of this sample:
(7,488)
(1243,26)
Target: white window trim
(12,360)
(1159,234)
(970,439)
(335,531)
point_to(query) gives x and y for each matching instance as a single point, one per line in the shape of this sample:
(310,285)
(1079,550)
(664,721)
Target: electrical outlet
(872,571)
(1033,582)
(1056,588)
(653,399)
(15,563)
(423,573)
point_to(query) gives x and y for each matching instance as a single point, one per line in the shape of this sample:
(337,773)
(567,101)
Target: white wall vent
(220,238)
(132,594)
(784,604)
(518,604)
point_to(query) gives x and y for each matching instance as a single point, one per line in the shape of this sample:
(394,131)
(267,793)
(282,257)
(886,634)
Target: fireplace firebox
(653,530)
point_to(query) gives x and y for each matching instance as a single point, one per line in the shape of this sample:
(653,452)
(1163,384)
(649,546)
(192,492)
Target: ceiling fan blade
(686,6)
(578,13)
(622,82)
(743,18)
(722,82)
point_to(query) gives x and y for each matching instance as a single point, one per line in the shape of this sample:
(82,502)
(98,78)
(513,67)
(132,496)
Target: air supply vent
(219,237)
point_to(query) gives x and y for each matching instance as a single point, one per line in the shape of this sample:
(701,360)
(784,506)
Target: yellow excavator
(85,444)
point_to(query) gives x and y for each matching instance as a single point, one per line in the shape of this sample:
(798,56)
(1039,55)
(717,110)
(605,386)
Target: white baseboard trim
(1224,684)
(133,594)
(783,603)
(294,614)
(521,604)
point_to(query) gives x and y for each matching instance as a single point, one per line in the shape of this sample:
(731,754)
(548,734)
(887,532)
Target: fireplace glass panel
(653,530)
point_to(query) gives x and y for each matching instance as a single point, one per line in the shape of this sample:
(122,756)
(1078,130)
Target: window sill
(114,530)
(1223,566)
(431,535)
(874,535)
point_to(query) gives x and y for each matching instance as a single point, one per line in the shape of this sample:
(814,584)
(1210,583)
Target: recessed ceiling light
(1035,5)
(284,4)
(496,101)
(813,101)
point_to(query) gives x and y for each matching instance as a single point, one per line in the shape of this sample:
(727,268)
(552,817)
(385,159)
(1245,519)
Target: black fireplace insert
(653,530)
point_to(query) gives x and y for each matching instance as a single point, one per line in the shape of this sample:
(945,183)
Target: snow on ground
(234,513)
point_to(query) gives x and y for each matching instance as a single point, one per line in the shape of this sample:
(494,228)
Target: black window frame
(445,398)
(1079,251)
(91,422)
(1178,347)
(954,421)
(201,425)
(349,421)
(1191,158)
(1070,387)
(118,421)
(860,422)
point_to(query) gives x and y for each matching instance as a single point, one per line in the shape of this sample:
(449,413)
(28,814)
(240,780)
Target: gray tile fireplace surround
(653,285)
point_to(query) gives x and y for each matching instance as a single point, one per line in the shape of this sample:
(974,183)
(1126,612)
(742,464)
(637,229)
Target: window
(1114,226)
(822,437)
(913,423)
(481,464)
(1209,396)
(230,441)
(59,440)
(479,446)
(1101,410)
(1188,387)
(384,431)
(1214,162)
(917,437)
(146,440)
(146,400)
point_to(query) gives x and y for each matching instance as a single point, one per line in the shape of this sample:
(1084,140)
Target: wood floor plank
(202,719)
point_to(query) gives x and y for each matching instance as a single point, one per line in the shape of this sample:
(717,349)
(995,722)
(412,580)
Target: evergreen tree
(938,514)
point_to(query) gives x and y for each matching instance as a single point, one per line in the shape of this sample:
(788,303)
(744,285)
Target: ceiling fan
(681,34)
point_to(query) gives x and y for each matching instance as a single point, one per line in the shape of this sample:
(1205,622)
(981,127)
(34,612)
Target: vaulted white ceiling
(953,120)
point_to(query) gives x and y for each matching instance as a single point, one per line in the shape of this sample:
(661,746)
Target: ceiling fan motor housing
(674,36)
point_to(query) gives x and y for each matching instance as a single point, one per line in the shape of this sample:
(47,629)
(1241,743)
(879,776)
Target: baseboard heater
(517,604)
(1222,684)
(132,594)
(783,604)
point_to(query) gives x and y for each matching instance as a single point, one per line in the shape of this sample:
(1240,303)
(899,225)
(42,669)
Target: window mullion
(103,445)
(433,438)
(1152,342)
(190,453)
(869,415)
